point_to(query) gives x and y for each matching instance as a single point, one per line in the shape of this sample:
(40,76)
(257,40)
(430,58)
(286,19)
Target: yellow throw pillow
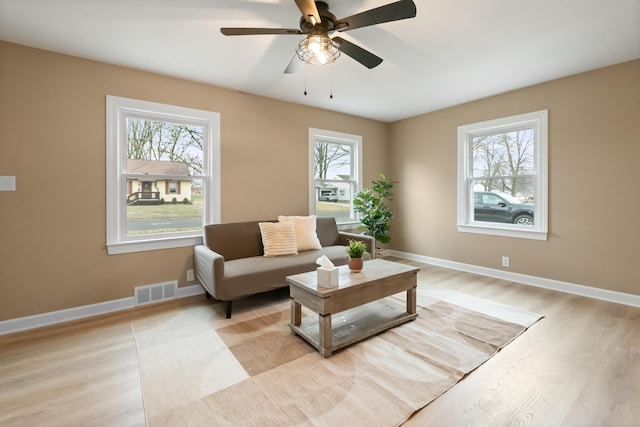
(278,238)
(305,227)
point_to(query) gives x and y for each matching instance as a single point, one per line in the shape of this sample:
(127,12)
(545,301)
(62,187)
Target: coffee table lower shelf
(353,325)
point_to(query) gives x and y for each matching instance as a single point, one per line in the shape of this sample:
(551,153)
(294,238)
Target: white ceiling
(454,51)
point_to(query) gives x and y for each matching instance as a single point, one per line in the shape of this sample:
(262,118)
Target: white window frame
(355,141)
(537,120)
(118,110)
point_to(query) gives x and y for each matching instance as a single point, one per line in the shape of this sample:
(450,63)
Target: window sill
(503,231)
(352,225)
(152,245)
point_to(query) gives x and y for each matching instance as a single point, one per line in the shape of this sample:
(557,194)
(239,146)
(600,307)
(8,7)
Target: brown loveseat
(230,265)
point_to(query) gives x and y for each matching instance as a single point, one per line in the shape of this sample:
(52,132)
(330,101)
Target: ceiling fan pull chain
(305,79)
(331,81)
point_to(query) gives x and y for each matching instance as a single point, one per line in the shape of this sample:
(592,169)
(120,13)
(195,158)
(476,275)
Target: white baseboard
(189,291)
(75,313)
(540,282)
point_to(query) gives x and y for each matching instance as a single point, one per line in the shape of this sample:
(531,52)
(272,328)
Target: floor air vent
(155,293)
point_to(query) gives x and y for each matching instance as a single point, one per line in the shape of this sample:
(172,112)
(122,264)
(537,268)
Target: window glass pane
(332,160)
(334,199)
(333,172)
(508,201)
(164,141)
(157,212)
(504,154)
(157,150)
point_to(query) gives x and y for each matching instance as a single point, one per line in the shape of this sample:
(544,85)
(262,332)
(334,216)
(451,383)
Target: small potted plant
(356,250)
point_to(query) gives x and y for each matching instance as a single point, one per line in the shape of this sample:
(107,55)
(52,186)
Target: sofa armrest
(369,241)
(209,266)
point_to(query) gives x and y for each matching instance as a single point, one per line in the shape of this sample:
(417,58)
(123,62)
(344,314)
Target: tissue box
(328,277)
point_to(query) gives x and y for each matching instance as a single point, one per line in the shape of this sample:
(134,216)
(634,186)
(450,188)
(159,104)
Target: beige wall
(52,135)
(594,186)
(52,123)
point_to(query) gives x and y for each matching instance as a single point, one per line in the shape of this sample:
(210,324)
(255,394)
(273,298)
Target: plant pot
(356,264)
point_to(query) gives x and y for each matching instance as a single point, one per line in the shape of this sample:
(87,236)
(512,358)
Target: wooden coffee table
(354,310)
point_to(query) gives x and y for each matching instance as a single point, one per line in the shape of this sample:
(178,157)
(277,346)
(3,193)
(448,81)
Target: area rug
(201,369)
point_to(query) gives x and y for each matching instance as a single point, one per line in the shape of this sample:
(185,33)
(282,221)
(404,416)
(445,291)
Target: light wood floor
(578,366)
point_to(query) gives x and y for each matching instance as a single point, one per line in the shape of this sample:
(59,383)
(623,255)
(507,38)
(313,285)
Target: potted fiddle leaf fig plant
(356,250)
(372,204)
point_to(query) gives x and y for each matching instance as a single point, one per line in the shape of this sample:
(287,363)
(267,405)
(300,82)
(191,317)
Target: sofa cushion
(305,228)
(278,238)
(327,231)
(250,276)
(234,240)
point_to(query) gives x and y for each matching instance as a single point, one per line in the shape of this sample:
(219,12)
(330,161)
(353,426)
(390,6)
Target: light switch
(7,183)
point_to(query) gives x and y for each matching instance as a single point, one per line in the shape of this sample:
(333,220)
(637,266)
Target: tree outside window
(505,162)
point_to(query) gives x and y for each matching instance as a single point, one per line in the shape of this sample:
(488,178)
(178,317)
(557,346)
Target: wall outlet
(505,261)
(7,183)
(190,276)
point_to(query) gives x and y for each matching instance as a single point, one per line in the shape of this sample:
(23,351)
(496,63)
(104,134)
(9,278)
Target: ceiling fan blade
(294,66)
(257,31)
(402,9)
(309,11)
(361,55)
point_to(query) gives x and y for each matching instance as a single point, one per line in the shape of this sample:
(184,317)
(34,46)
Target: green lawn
(331,207)
(168,210)
(194,210)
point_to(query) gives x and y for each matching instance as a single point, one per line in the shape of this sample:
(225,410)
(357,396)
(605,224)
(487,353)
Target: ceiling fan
(318,23)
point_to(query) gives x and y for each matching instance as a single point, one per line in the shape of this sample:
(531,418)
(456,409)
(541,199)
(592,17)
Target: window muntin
(162,175)
(502,176)
(335,174)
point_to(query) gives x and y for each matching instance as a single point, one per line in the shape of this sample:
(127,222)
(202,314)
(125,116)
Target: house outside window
(502,176)
(162,175)
(153,191)
(335,161)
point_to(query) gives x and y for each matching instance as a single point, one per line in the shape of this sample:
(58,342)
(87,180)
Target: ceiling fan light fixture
(318,50)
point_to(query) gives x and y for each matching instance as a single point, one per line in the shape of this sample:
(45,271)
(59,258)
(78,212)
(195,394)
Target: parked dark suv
(501,207)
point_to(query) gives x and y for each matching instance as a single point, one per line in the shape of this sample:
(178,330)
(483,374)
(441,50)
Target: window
(335,174)
(163,170)
(173,187)
(502,176)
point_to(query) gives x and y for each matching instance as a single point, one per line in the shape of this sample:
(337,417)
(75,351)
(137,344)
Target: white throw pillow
(305,227)
(278,238)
